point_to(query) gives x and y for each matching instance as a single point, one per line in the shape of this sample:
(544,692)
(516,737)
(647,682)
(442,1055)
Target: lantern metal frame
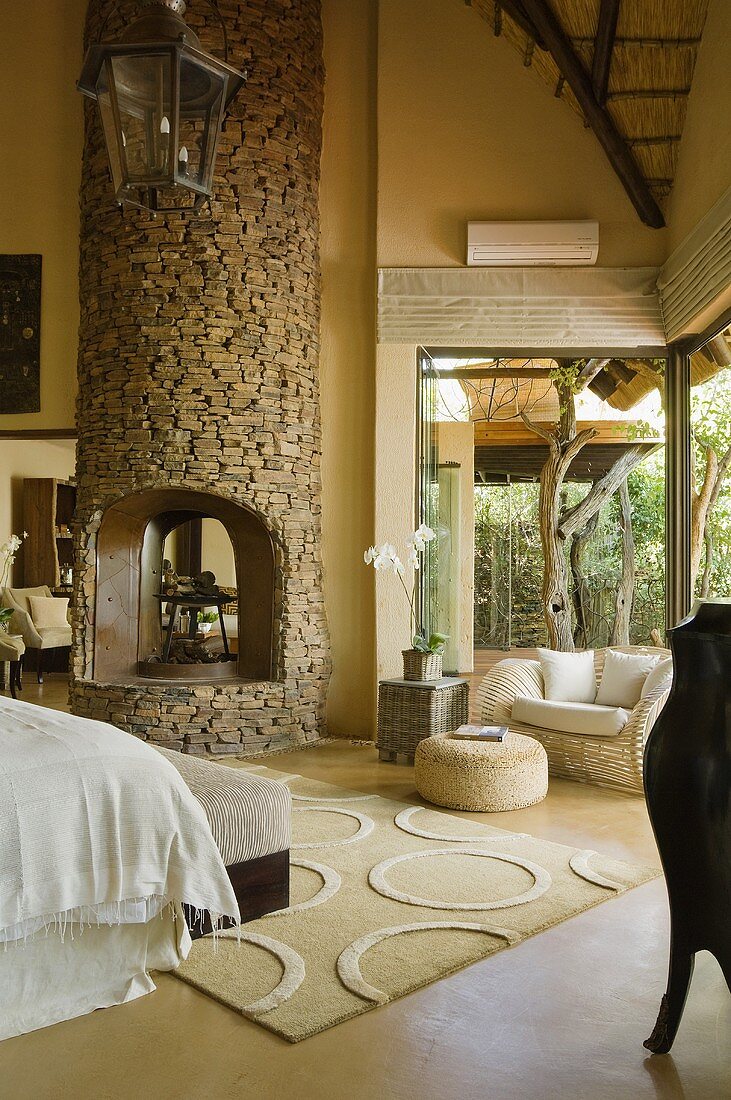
(178,43)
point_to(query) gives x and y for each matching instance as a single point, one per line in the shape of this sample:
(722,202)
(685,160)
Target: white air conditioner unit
(532,244)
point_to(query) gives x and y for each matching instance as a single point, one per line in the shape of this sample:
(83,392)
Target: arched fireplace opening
(156,552)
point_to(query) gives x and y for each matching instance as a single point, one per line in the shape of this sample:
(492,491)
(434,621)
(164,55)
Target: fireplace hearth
(130,603)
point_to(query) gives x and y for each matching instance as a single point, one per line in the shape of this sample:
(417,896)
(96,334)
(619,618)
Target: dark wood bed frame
(261,886)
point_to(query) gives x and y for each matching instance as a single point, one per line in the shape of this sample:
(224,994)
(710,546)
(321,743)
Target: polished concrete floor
(562,1015)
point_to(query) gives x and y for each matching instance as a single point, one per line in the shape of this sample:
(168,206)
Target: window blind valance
(520,307)
(698,270)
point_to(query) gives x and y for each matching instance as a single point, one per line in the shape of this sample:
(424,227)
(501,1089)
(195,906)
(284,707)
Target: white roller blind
(699,270)
(520,307)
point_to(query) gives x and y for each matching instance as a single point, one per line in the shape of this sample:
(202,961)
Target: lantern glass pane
(111,134)
(143,87)
(202,92)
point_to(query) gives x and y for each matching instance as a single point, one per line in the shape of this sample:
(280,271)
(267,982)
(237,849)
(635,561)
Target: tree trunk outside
(626,586)
(555,591)
(583,631)
(708,567)
(702,504)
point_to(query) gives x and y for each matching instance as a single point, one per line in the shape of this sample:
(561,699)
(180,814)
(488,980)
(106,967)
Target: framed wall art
(20,334)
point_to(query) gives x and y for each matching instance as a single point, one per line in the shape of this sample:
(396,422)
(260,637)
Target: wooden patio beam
(601,122)
(603,45)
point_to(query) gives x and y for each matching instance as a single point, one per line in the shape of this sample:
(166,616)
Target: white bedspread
(92,823)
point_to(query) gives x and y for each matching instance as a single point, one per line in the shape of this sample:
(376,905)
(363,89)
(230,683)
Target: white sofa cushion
(584,719)
(568,677)
(623,678)
(49,612)
(660,678)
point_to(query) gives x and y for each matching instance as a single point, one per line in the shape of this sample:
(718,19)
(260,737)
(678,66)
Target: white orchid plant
(385,558)
(8,553)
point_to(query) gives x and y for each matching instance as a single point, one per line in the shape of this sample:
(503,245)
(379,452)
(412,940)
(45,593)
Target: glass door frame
(679,469)
(427,462)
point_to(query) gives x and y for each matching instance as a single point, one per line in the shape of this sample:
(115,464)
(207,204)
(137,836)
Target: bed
(251,820)
(102,845)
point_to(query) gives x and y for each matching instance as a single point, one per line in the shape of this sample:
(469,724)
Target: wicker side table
(410,710)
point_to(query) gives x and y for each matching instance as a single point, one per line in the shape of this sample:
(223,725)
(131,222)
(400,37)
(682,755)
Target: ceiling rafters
(606,33)
(601,122)
(646,43)
(649,77)
(516,11)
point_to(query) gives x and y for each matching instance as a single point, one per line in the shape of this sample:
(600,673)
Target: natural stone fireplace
(198,396)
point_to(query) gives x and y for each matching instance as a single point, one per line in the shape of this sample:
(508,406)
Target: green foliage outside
(509,564)
(508,560)
(711,424)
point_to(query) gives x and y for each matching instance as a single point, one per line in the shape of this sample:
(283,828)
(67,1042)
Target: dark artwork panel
(20,334)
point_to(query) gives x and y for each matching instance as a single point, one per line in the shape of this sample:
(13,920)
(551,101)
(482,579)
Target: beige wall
(28,458)
(704,160)
(466,132)
(395,466)
(348,219)
(41,123)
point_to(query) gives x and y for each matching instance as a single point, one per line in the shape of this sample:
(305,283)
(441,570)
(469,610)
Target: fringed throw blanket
(96,828)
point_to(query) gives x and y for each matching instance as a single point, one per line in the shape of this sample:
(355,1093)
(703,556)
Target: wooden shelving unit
(48,513)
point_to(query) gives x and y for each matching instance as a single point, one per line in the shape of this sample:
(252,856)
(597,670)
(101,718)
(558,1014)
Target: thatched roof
(641,69)
(500,390)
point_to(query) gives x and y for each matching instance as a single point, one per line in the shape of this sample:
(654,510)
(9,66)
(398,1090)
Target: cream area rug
(386,898)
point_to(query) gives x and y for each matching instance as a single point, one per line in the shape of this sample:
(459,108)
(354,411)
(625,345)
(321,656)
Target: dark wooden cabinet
(48,513)
(687,778)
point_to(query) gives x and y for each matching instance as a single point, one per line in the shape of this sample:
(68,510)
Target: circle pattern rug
(386,899)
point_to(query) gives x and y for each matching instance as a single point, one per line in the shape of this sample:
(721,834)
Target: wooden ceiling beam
(650,93)
(654,43)
(601,122)
(516,10)
(664,139)
(720,350)
(606,32)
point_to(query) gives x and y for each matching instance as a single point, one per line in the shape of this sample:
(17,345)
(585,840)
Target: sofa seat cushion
(53,637)
(12,647)
(584,719)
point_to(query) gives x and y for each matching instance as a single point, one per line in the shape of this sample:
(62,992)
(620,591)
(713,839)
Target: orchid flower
(8,552)
(386,559)
(421,536)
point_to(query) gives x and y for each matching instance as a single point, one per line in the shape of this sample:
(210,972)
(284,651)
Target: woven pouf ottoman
(478,775)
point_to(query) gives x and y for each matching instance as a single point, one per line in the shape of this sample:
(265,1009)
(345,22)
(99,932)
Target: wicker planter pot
(421,666)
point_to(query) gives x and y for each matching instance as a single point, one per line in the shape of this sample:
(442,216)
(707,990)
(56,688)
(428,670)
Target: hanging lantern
(161,100)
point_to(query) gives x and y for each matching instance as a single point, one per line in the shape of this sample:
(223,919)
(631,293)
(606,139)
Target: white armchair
(605,761)
(21,622)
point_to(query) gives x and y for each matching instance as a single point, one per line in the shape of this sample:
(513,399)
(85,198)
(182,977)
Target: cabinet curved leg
(673,1001)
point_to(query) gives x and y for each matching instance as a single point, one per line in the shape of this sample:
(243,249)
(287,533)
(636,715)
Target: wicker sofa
(605,761)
